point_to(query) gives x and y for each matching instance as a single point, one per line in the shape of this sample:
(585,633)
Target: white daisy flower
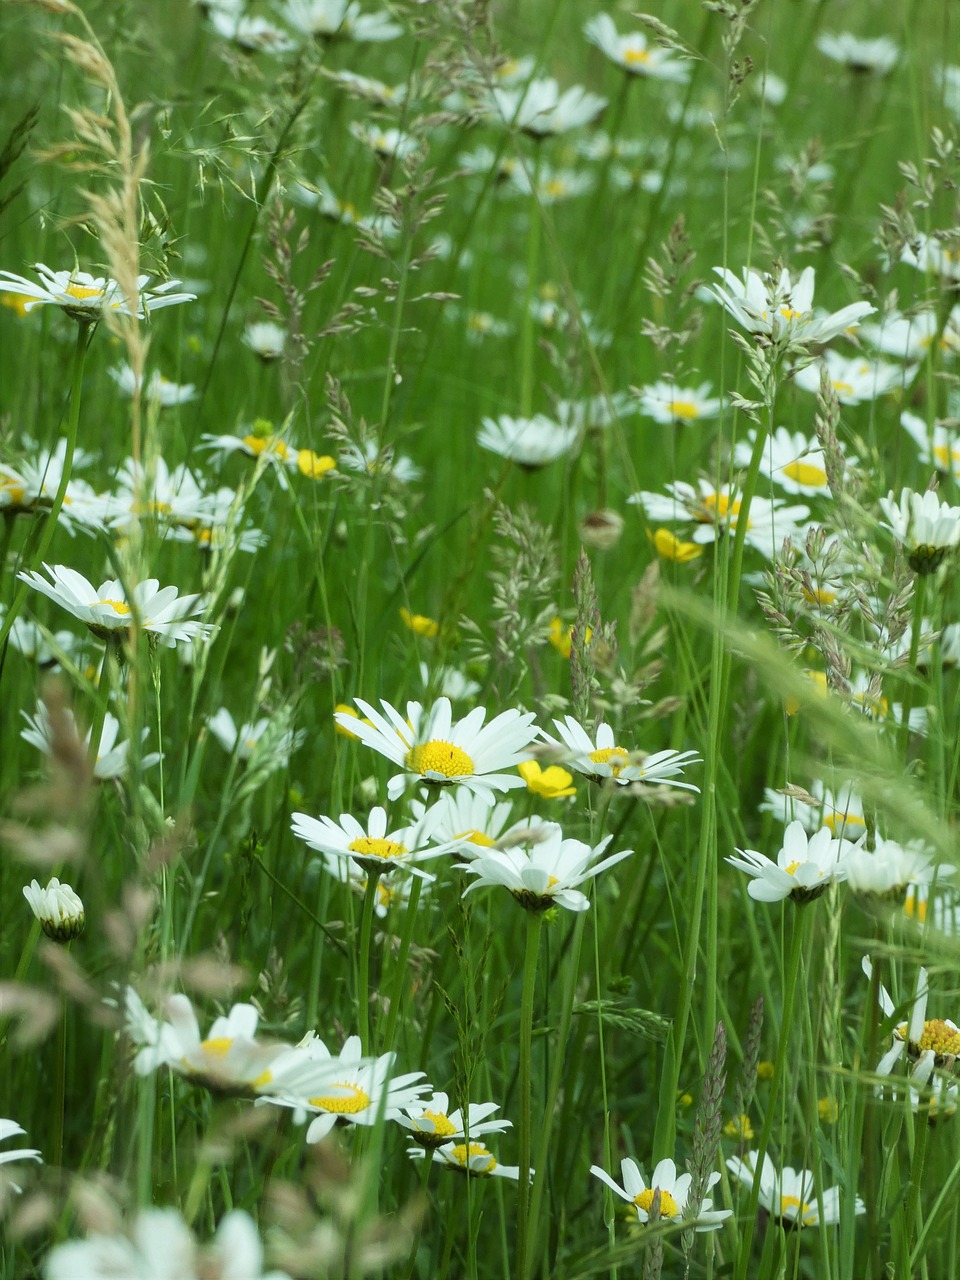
(780,310)
(449,683)
(393,887)
(939,445)
(34,483)
(392,143)
(348,1087)
(111,759)
(432,1124)
(367,88)
(530,442)
(878,56)
(428,744)
(58,908)
(717,511)
(920,1036)
(674,1192)
(891,868)
(790,459)
(840,811)
(540,109)
(159,390)
(805,866)
(10,1129)
(371,846)
(465,816)
(39,645)
(594,412)
(541,868)
(634,53)
(855,381)
(250,32)
(604,759)
(160,611)
(473,1159)
(552,184)
(84,297)
(790,1194)
(910,337)
(671,405)
(245,739)
(339,20)
(265,339)
(156,492)
(926,527)
(375,461)
(935,255)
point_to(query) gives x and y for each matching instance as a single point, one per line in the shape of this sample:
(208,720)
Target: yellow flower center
(12,488)
(420,624)
(683,409)
(819,596)
(915,908)
(440,757)
(633,57)
(805,473)
(480,321)
(939,1036)
(442,1127)
(81,293)
(789,313)
(668,1206)
(218,1047)
(262,1080)
(119,607)
(716,506)
(605,754)
(371,847)
(843,821)
(313,465)
(556,187)
(462,1154)
(806,1213)
(262,444)
(355,1102)
(477,837)
(843,388)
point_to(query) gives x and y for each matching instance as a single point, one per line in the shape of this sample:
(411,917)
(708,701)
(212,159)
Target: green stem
(406,938)
(919,600)
(534,926)
(914,1224)
(363,972)
(61,1087)
(527,348)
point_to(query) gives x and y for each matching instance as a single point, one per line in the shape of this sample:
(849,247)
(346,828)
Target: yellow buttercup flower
(670,547)
(551,783)
(561,637)
(420,624)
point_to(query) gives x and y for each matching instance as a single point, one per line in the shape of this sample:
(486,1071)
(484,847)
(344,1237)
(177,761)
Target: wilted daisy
(926,527)
(10,1129)
(939,445)
(158,1245)
(805,866)
(159,390)
(633,52)
(430,745)
(245,739)
(432,1124)
(604,759)
(473,1159)
(84,297)
(671,405)
(339,19)
(890,868)
(878,56)
(716,511)
(541,868)
(540,109)
(937,1037)
(674,1192)
(58,908)
(160,611)
(791,460)
(790,1194)
(348,1087)
(780,310)
(265,339)
(854,381)
(371,846)
(111,761)
(530,442)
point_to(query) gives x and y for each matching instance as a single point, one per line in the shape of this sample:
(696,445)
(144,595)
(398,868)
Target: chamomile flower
(32,485)
(805,866)
(716,511)
(935,255)
(111,759)
(920,1036)
(604,759)
(429,745)
(159,390)
(939,445)
(793,461)
(671,405)
(465,816)
(85,297)
(371,846)
(160,611)
(449,682)
(926,527)
(552,185)
(366,88)
(249,739)
(779,311)
(840,811)
(674,1192)
(633,53)
(540,109)
(877,57)
(10,1129)
(251,32)
(541,868)
(265,339)
(910,337)
(432,1124)
(471,1158)
(854,381)
(530,442)
(339,20)
(889,870)
(58,908)
(372,460)
(393,888)
(790,1195)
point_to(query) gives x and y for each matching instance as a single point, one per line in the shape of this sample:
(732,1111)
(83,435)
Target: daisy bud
(58,909)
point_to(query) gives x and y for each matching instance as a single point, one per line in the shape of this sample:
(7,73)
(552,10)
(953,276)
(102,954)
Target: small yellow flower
(550,783)
(561,637)
(16,302)
(740,1128)
(828,1110)
(670,547)
(347,711)
(764,1070)
(314,465)
(686,1100)
(420,624)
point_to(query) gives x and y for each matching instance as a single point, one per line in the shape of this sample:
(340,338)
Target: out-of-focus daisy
(464,816)
(58,908)
(428,744)
(805,866)
(920,1037)
(39,645)
(473,1159)
(552,185)
(671,405)
(594,412)
(717,511)
(371,846)
(340,20)
(540,109)
(266,737)
(910,337)
(544,870)
(926,528)
(159,1245)
(156,492)
(348,1087)
(111,759)
(939,445)
(251,32)
(552,783)
(432,1124)
(674,1192)
(935,255)
(320,195)
(393,887)
(366,88)
(878,56)
(10,1129)
(263,442)
(949,81)
(855,381)
(604,759)
(391,143)
(780,310)
(84,297)
(790,1195)
(374,461)
(159,389)
(866,696)
(265,339)
(530,442)
(841,811)
(448,682)
(790,459)
(891,868)
(32,486)
(160,611)
(633,53)
(479,325)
